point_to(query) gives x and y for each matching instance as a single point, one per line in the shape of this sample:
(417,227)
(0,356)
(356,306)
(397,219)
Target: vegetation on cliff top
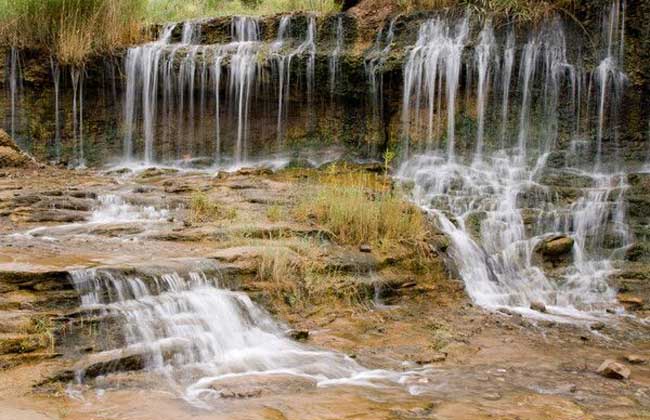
(73,30)
(516,10)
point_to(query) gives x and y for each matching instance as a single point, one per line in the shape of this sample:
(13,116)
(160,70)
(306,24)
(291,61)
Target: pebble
(492,396)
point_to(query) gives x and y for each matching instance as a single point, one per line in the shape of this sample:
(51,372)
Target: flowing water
(498,205)
(187,72)
(493,166)
(334,63)
(203,337)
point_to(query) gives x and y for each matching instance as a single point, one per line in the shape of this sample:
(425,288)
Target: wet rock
(10,155)
(492,396)
(505,311)
(555,247)
(37,280)
(344,261)
(60,216)
(154,172)
(538,306)
(254,171)
(67,203)
(613,370)
(21,343)
(427,358)
(365,248)
(597,326)
(630,301)
(242,388)
(636,359)
(298,335)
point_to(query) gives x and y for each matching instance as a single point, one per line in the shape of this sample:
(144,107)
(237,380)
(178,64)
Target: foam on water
(199,335)
(114,209)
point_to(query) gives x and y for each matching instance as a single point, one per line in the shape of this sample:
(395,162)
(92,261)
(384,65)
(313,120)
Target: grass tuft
(203,210)
(362,208)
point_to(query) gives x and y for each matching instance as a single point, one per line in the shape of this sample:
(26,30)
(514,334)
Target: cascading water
(609,76)
(188,78)
(485,202)
(56,76)
(439,47)
(77,77)
(484,53)
(374,66)
(200,336)
(14,76)
(334,59)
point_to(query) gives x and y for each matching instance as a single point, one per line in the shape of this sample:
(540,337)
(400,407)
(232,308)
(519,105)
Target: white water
(374,67)
(484,201)
(114,209)
(196,80)
(56,76)
(334,63)
(437,54)
(199,335)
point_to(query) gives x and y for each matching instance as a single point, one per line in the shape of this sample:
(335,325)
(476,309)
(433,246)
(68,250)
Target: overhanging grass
(522,11)
(73,30)
(175,10)
(70,29)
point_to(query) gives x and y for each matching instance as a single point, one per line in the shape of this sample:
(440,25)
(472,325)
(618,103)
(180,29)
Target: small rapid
(201,336)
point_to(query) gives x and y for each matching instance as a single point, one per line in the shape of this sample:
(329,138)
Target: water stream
(499,205)
(203,338)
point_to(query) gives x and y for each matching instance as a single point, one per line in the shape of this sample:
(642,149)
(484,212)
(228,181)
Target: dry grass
(522,11)
(71,30)
(361,208)
(204,210)
(74,30)
(174,10)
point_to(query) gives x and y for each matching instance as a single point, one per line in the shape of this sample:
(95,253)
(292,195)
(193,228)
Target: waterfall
(374,66)
(179,80)
(508,62)
(56,76)
(15,80)
(141,68)
(483,54)
(114,209)
(191,33)
(485,204)
(336,53)
(436,54)
(199,335)
(243,66)
(77,76)
(610,76)
(283,70)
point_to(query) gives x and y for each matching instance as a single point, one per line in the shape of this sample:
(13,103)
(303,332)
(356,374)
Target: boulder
(299,335)
(555,250)
(10,154)
(636,359)
(538,306)
(630,301)
(556,246)
(613,370)
(10,158)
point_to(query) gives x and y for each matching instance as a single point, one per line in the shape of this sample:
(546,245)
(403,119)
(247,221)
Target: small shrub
(359,208)
(204,210)
(274,213)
